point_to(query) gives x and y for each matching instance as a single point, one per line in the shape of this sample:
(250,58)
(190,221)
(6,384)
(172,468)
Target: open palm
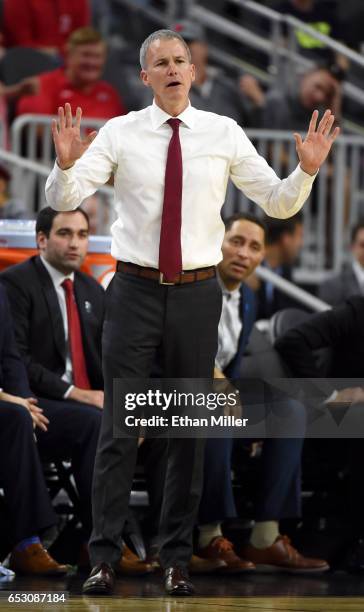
(67,137)
(313,151)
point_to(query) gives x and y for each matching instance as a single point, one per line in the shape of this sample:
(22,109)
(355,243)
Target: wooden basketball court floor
(334,592)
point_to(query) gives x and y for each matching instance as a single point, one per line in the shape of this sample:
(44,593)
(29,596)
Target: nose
(172,67)
(243,251)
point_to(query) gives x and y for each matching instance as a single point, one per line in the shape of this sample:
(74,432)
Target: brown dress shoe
(35,560)
(101,580)
(281,556)
(198,565)
(177,582)
(131,565)
(220,548)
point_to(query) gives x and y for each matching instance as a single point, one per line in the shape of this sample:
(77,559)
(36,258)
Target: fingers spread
(313,122)
(323,122)
(298,140)
(78,117)
(329,125)
(68,112)
(61,119)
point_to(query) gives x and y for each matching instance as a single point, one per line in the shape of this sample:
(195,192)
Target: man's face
(358,247)
(169,72)
(318,89)
(242,250)
(291,245)
(199,53)
(66,247)
(85,63)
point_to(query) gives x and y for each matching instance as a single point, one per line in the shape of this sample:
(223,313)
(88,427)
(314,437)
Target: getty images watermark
(244,408)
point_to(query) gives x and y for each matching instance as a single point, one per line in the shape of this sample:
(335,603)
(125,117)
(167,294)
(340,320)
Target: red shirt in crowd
(102,101)
(42,23)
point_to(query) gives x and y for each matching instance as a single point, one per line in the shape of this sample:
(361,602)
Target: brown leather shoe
(198,565)
(101,580)
(220,548)
(35,560)
(177,582)
(281,556)
(131,565)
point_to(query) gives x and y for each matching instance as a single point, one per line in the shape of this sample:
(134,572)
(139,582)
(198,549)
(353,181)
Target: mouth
(239,266)
(174,84)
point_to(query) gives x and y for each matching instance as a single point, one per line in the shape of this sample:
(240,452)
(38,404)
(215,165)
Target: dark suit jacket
(340,329)
(247,316)
(13,376)
(340,287)
(280,299)
(39,327)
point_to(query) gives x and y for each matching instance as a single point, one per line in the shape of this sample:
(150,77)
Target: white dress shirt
(57,280)
(359,273)
(134,148)
(230,326)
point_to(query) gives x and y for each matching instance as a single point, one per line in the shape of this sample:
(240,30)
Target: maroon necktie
(80,377)
(170,256)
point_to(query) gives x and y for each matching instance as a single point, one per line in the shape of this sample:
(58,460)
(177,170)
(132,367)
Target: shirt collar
(159,116)
(56,276)
(358,271)
(229,294)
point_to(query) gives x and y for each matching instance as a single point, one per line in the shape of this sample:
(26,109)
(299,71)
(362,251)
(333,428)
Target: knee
(20,418)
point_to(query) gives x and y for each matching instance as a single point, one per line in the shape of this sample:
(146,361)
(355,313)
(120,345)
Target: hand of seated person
(87,396)
(30,403)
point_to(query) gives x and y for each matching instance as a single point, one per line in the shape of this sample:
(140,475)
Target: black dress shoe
(177,582)
(100,581)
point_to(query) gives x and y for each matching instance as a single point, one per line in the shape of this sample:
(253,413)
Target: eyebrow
(160,59)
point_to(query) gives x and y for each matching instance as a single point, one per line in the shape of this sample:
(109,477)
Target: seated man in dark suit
(279,485)
(284,241)
(58,314)
(350,280)
(342,331)
(28,507)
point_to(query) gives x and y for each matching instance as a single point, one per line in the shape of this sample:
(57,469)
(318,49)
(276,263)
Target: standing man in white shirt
(171,164)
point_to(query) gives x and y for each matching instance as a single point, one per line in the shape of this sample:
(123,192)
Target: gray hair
(166,34)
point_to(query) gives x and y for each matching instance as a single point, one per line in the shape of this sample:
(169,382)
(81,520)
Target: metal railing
(31,139)
(282,57)
(334,205)
(15,235)
(336,198)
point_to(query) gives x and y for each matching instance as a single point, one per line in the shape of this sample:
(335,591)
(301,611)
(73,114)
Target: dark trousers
(179,322)
(279,475)
(72,434)
(27,501)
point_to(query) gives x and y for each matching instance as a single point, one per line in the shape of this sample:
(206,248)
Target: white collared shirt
(57,280)
(134,148)
(359,273)
(230,326)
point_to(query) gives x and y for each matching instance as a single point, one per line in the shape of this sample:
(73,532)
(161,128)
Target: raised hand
(313,151)
(67,137)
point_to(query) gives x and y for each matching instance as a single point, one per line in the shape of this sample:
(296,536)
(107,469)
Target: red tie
(80,377)
(170,256)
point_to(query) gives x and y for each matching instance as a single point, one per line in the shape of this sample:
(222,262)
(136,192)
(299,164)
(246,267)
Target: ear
(41,240)
(193,72)
(144,78)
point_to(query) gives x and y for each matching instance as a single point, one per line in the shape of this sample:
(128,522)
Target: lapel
(84,311)
(351,283)
(55,314)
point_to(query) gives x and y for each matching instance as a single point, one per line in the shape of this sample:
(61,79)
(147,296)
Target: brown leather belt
(189,276)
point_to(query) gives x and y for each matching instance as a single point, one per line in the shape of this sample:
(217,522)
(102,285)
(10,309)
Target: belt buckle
(163,282)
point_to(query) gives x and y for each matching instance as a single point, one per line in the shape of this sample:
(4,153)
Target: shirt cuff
(302,176)
(62,175)
(68,391)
